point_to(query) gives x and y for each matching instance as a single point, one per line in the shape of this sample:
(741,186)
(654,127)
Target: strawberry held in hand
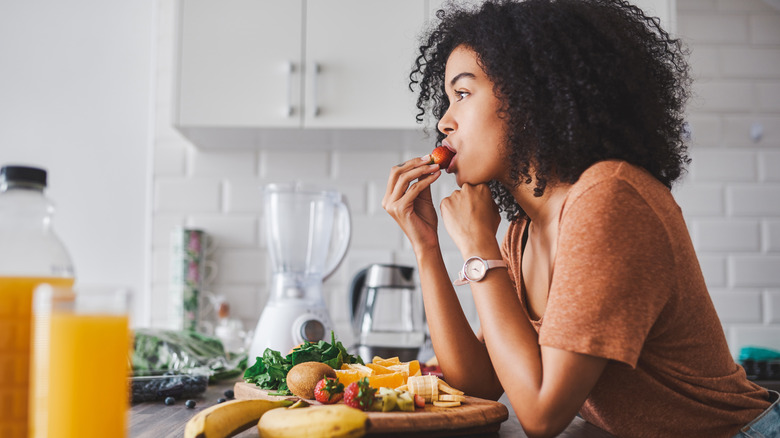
(328,390)
(359,395)
(442,156)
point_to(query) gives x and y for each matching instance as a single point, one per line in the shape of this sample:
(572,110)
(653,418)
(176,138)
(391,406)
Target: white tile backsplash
(738,306)
(724,166)
(730,198)
(708,27)
(751,63)
(234,231)
(771,234)
(289,165)
(754,200)
(769,166)
(243,195)
(187,195)
(736,128)
(723,95)
(727,235)
(700,199)
(222,163)
(754,270)
(772,306)
(713,267)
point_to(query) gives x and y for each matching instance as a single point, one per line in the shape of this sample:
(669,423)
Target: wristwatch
(475,269)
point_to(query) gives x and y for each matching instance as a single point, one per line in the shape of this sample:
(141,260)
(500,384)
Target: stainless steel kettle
(388,319)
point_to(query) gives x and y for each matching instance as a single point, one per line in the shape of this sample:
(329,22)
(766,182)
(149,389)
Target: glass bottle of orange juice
(30,254)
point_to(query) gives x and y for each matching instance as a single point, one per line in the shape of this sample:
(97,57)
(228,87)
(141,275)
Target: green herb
(270,370)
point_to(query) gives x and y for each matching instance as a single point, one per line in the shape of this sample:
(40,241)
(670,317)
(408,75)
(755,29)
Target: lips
(451,167)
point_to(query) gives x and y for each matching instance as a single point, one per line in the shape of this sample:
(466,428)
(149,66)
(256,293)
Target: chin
(459,180)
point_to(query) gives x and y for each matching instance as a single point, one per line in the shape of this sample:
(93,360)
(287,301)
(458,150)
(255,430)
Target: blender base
(285,325)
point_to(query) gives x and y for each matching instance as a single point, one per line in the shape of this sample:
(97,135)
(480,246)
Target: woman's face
(471,123)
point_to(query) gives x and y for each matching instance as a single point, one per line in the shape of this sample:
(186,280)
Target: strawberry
(442,156)
(419,401)
(328,390)
(359,395)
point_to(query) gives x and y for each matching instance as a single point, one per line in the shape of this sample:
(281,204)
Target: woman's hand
(408,200)
(471,218)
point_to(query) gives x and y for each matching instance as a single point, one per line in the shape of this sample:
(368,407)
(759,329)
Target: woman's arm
(546,386)
(463,358)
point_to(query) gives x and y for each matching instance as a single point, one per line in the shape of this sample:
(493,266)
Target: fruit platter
(319,390)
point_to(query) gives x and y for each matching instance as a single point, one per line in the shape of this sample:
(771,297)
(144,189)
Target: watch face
(475,269)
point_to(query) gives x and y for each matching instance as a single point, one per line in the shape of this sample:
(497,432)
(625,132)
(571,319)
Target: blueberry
(221,400)
(190,404)
(169,401)
(229,394)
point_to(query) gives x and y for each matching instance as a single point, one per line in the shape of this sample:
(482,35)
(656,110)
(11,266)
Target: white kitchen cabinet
(358,57)
(297,63)
(239,63)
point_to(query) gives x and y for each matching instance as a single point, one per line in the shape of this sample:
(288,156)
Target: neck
(543,211)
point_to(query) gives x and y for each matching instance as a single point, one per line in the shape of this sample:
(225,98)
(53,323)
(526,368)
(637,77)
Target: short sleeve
(611,274)
(511,252)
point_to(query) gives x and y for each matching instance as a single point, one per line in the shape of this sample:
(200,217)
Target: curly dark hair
(580,81)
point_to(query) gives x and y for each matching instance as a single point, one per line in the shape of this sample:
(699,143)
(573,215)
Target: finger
(422,184)
(397,171)
(401,178)
(406,179)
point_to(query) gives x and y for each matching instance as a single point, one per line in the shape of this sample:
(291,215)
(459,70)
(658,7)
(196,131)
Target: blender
(308,230)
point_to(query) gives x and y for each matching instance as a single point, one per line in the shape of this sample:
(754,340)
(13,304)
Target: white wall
(731,197)
(75,98)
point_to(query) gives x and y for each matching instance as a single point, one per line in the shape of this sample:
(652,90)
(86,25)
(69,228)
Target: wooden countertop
(155,420)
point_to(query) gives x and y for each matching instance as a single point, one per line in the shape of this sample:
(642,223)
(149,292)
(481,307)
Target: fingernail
(426,157)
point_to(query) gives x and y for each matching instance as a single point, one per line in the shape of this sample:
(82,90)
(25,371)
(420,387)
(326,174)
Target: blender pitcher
(308,232)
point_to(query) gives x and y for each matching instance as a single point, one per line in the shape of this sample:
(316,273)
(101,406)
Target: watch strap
(489,264)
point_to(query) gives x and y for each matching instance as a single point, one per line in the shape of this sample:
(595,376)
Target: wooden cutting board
(474,416)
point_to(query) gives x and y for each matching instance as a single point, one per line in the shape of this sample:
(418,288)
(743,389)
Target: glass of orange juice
(80,352)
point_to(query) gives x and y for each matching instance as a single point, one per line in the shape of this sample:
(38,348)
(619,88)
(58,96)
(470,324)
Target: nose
(447,124)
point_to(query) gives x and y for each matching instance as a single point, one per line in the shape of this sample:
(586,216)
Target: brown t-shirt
(627,286)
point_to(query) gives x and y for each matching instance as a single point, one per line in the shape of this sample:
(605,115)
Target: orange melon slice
(386,362)
(379,369)
(348,376)
(392,380)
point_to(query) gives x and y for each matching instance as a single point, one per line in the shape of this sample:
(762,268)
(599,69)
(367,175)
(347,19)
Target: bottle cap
(23,175)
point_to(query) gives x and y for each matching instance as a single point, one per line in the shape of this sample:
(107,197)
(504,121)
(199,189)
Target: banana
(229,418)
(432,389)
(446,404)
(426,386)
(331,421)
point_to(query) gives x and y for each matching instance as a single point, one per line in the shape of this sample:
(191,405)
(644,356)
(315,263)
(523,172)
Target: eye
(459,95)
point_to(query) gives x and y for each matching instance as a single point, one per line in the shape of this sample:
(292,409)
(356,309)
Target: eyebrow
(459,76)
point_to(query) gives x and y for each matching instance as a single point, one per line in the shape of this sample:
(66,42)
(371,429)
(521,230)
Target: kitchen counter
(155,420)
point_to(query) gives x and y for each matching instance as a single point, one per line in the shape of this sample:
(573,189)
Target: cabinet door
(240,63)
(358,57)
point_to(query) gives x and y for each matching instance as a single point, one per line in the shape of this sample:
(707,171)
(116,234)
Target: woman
(567,116)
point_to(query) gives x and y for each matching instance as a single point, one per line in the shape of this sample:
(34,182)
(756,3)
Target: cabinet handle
(314,79)
(289,68)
